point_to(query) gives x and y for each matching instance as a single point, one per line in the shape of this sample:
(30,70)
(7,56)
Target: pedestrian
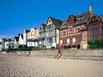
(60,52)
(29,49)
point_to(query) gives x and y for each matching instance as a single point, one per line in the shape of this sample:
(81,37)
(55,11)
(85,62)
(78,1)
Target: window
(74,40)
(64,41)
(74,30)
(64,33)
(50,40)
(61,41)
(78,39)
(61,33)
(0,43)
(50,26)
(68,41)
(78,30)
(68,32)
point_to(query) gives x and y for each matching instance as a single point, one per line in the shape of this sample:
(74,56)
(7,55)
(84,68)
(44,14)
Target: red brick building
(76,31)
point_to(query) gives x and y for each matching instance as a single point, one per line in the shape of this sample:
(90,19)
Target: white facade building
(21,40)
(52,32)
(32,37)
(1,44)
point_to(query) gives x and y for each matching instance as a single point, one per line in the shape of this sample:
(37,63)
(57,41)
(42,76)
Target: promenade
(29,66)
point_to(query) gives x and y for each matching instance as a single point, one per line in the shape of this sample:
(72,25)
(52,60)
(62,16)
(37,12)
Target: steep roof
(27,30)
(83,18)
(80,19)
(101,17)
(16,38)
(20,35)
(43,25)
(56,22)
(7,40)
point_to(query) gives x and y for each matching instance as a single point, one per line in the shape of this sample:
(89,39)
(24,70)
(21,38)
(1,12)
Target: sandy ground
(23,66)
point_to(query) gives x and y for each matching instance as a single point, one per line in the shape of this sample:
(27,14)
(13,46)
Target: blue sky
(17,15)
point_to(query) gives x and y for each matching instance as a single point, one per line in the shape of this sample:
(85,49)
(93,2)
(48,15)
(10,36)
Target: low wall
(67,53)
(96,52)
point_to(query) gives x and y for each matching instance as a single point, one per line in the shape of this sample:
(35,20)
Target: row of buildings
(46,36)
(74,32)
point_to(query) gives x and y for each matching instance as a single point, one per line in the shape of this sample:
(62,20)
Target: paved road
(23,66)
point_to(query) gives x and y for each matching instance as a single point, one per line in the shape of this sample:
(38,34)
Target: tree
(90,44)
(101,43)
(10,46)
(96,44)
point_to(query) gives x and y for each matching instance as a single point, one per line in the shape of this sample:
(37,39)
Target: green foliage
(10,45)
(95,44)
(24,48)
(0,43)
(10,48)
(101,43)
(20,48)
(90,43)
(52,48)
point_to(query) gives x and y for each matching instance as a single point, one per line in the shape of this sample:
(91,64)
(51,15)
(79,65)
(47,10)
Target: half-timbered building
(77,30)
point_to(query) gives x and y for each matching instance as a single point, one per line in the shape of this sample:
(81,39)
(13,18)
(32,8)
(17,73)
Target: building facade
(8,43)
(52,32)
(1,44)
(32,37)
(76,31)
(42,36)
(21,39)
(15,41)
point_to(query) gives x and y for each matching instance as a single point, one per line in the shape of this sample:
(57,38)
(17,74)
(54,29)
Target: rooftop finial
(90,9)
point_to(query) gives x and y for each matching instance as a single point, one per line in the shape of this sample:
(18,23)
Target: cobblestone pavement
(25,66)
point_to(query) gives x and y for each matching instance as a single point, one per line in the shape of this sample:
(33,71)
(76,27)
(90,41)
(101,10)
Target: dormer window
(83,27)
(71,19)
(78,30)
(66,24)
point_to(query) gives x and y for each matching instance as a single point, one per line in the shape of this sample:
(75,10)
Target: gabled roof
(20,35)
(83,18)
(80,19)
(16,38)
(7,40)
(43,25)
(101,17)
(56,22)
(31,40)
(27,30)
